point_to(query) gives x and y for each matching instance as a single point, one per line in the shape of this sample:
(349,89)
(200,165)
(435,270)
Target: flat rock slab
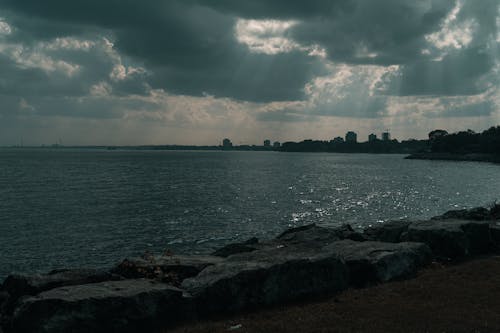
(116,306)
(317,235)
(372,262)
(390,231)
(452,238)
(266,277)
(234,248)
(173,269)
(20,285)
(495,234)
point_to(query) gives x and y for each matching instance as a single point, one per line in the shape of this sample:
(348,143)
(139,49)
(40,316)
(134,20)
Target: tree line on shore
(468,142)
(463,142)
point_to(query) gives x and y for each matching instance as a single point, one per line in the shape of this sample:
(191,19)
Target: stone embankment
(143,294)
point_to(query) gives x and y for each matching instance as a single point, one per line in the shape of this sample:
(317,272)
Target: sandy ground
(457,298)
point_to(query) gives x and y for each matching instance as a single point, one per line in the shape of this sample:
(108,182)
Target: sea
(67,208)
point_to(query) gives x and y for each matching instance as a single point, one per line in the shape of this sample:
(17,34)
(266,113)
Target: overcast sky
(196,71)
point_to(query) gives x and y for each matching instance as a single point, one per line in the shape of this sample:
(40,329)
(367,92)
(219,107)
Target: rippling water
(67,208)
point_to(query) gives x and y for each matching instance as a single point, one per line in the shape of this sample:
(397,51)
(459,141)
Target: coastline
(302,264)
(473,157)
(460,297)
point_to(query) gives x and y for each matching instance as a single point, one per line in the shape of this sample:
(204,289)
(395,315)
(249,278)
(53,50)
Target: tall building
(386,136)
(226,143)
(372,137)
(267,143)
(351,137)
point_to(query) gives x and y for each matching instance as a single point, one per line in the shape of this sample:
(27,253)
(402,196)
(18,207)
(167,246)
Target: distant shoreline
(472,157)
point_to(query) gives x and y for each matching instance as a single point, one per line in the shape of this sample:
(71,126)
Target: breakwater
(302,263)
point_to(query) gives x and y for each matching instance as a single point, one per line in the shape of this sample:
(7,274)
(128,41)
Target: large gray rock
(473,214)
(317,236)
(390,231)
(4,299)
(116,306)
(495,234)
(20,285)
(172,269)
(452,238)
(248,246)
(371,262)
(265,277)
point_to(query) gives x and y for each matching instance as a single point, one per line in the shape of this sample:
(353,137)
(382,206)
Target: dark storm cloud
(281,9)
(382,32)
(189,47)
(458,73)
(485,109)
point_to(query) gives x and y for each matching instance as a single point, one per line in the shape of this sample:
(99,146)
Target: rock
(345,231)
(172,269)
(390,231)
(452,238)
(372,262)
(235,248)
(20,285)
(474,214)
(113,306)
(495,234)
(4,299)
(495,211)
(317,236)
(266,277)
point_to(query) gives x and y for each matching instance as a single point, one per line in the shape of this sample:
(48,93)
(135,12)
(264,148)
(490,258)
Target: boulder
(235,248)
(4,299)
(265,277)
(452,238)
(20,285)
(114,306)
(473,214)
(172,269)
(372,262)
(390,231)
(495,234)
(317,236)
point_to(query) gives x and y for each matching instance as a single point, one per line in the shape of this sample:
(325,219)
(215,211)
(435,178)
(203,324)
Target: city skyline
(190,72)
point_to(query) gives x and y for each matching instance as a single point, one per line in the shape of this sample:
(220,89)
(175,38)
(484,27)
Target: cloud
(199,64)
(458,73)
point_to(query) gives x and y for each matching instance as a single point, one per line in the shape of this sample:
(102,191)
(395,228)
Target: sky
(125,72)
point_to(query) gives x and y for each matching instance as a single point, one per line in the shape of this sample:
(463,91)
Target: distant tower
(226,143)
(351,137)
(386,136)
(372,137)
(267,143)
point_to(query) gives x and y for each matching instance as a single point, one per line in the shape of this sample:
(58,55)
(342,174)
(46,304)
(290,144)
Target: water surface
(68,208)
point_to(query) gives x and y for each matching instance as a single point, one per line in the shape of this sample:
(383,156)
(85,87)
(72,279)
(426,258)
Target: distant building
(338,139)
(437,134)
(267,143)
(276,144)
(226,143)
(351,137)
(372,137)
(386,136)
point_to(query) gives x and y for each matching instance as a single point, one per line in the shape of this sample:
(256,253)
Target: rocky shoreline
(472,157)
(308,262)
